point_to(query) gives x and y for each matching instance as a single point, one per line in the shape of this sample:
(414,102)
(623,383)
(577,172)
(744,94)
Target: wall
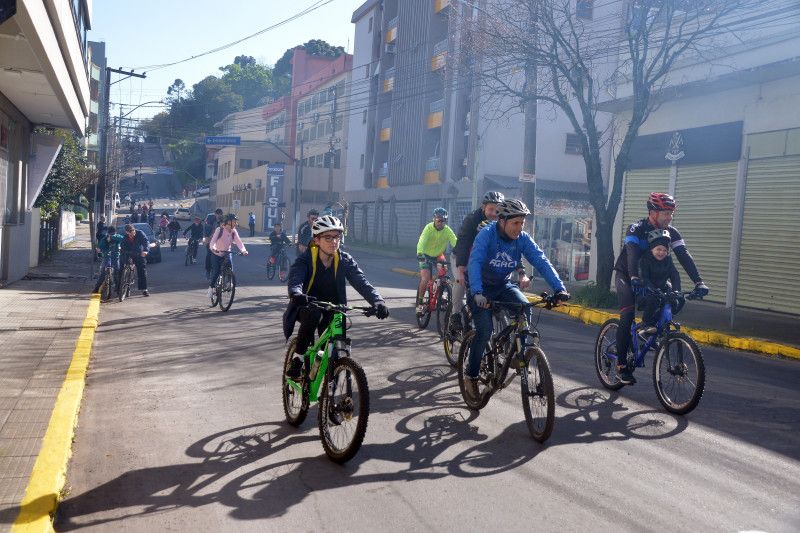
(359,98)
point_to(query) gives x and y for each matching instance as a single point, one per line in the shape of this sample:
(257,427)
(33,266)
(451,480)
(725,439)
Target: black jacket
(656,274)
(635,245)
(136,245)
(300,275)
(466,236)
(304,234)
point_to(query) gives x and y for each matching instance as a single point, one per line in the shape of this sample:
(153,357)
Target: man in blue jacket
(496,253)
(135,245)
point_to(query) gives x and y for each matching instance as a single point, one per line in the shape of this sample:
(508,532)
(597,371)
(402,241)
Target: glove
(700,289)
(637,285)
(302,299)
(381,311)
(561,296)
(421,257)
(480,300)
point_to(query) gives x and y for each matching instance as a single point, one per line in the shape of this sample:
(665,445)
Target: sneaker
(145,293)
(625,375)
(471,389)
(210,292)
(296,369)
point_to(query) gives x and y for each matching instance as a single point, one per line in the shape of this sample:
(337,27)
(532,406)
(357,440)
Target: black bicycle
(278,263)
(126,277)
(173,240)
(107,287)
(225,287)
(191,252)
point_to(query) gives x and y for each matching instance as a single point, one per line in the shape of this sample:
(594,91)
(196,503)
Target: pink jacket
(221,241)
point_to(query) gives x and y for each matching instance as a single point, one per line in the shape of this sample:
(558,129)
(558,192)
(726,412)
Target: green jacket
(434,243)
(109,245)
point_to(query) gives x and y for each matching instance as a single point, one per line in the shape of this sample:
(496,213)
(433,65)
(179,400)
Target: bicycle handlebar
(548,301)
(689,295)
(328,306)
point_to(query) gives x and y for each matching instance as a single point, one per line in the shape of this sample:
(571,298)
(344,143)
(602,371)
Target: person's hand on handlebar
(302,299)
(524,280)
(381,311)
(481,301)
(560,297)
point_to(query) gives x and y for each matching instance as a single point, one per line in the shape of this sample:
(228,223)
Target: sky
(152,32)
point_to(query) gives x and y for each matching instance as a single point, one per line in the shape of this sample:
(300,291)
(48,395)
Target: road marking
(50,469)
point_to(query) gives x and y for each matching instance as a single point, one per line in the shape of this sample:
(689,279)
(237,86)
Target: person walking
(251,221)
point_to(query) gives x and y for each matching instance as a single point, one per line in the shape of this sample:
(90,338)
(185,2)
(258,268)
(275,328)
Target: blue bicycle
(679,373)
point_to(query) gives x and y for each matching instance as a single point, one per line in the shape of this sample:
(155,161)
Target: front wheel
(444,306)
(679,374)
(538,395)
(425,317)
(227,290)
(283,268)
(605,362)
(344,410)
(125,284)
(452,339)
(107,290)
(295,403)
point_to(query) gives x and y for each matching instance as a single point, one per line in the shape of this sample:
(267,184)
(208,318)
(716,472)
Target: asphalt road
(182,429)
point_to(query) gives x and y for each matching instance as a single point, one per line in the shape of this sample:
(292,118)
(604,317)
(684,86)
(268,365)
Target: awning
(45,151)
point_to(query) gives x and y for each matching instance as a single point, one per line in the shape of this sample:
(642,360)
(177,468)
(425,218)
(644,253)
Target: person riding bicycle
(496,253)
(659,275)
(220,247)
(135,245)
(163,222)
(320,274)
(196,230)
(212,221)
(304,233)
(628,282)
(466,236)
(277,240)
(109,247)
(174,228)
(432,243)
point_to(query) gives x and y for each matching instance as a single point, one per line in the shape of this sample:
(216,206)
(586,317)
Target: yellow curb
(405,271)
(50,469)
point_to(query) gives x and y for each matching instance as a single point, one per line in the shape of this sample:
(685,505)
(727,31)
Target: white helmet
(326,223)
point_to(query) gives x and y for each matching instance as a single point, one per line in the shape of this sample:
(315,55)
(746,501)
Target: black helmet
(229,217)
(511,207)
(493,197)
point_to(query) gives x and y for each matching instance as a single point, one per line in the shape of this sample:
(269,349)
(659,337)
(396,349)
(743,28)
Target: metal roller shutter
(769,262)
(638,185)
(705,196)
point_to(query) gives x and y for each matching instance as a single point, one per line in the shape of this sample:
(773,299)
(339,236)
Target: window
(573,144)
(369,30)
(245,163)
(583,9)
(362,162)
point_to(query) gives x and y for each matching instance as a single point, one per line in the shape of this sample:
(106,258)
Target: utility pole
(331,151)
(528,177)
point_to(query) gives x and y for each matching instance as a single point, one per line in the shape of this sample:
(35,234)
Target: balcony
(439,58)
(435,114)
(432,171)
(383,177)
(438,5)
(388,80)
(391,31)
(386,129)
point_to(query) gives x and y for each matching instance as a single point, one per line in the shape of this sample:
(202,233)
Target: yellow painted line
(405,271)
(50,469)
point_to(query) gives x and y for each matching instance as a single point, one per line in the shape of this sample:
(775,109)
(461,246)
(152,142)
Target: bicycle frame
(334,332)
(663,322)
(435,282)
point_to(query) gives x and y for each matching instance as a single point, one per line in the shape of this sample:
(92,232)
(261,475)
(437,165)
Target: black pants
(627,312)
(252,230)
(650,305)
(310,319)
(141,269)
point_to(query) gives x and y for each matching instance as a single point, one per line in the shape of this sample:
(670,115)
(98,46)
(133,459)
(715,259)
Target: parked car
(154,255)
(202,191)
(183,213)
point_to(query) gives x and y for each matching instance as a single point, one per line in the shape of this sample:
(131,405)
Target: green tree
(282,72)
(68,177)
(248,79)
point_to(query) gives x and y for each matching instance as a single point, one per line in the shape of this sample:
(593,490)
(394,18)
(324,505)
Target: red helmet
(660,201)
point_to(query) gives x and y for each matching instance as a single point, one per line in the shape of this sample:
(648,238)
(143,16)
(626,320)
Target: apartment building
(97,105)
(44,79)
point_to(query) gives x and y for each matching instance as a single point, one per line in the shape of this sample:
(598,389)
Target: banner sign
(223,140)
(718,143)
(274,196)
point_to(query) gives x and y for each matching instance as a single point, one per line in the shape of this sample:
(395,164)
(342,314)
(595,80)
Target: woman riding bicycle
(220,247)
(319,273)
(163,222)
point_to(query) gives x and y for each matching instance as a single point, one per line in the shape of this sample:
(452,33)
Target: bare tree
(576,61)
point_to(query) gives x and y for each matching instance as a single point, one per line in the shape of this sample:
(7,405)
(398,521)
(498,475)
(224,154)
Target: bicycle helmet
(326,223)
(440,212)
(511,207)
(230,217)
(658,237)
(660,201)
(493,197)
(313,212)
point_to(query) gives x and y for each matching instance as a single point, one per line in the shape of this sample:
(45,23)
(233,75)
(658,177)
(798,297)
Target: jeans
(483,322)
(141,269)
(216,265)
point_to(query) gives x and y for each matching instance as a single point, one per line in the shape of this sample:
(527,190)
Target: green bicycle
(336,381)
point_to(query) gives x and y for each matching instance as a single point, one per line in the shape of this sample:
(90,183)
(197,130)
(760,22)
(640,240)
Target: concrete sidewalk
(41,318)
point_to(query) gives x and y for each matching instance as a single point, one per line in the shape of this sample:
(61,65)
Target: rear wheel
(679,373)
(344,410)
(452,340)
(444,306)
(125,283)
(270,269)
(484,376)
(216,293)
(283,267)
(605,362)
(425,317)
(295,403)
(227,290)
(538,396)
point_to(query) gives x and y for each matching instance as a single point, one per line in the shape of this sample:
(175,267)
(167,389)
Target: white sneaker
(420,309)
(209,292)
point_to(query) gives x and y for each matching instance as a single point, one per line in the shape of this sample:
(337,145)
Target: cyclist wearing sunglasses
(320,273)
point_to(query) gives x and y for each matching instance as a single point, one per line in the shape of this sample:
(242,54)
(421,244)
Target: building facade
(98,107)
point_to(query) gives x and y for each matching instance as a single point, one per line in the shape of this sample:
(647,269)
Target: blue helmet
(440,212)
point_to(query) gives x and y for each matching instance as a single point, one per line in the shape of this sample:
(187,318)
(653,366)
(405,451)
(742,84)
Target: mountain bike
(454,335)
(278,263)
(225,287)
(107,287)
(515,344)
(337,381)
(191,253)
(173,240)
(437,296)
(126,277)
(679,373)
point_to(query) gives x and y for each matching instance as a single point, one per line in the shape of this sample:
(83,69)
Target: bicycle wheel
(295,404)
(452,340)
(538,395)
(444,305)
(270,270)
(425,317)
(228,290)
(679,373)
(216,294)
(188,260)
(283,268)
(604,365)
(107,289)
(484,381)
(125,283)
(343,410)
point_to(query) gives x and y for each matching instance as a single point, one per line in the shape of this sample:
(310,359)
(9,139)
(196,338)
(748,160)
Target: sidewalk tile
(19,447)
(19,466)
(11,492)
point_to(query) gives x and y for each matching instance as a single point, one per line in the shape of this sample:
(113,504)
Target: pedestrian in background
(100,229)
(251,221)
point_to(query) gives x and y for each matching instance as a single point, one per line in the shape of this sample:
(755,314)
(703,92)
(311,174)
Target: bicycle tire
(666,394)
(335,413)
(463,360)
(425,316)
(603,365)
(107,289)
(295,411)
(444,305)
(188,258)
(125,284)
(270,270)
(452,342)
(230,293)
(538,394)
(283,268)
(216,295)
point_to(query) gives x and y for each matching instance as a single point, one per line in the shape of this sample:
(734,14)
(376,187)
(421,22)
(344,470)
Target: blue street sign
(221,140)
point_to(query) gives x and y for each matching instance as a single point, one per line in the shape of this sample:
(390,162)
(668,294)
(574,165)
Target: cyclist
(196,229)
(135,246)
(304,233)
(466,236)
(174,228)
(320,273)
(163,222)
(496,253)
(277,240)
(109,246)
(220,247)
(660,210)
(658,272)
(211,223)
(431,244)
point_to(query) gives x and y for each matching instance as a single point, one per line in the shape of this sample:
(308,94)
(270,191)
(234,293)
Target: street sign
(222,141)
(527,178)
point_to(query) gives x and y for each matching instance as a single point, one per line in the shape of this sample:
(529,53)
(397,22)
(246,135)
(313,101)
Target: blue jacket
(136,245)
(493,259)
(109,245)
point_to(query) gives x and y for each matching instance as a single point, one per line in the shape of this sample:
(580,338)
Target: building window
(362,162)
(583,9)
(245,163)
(364,117)
(573,144)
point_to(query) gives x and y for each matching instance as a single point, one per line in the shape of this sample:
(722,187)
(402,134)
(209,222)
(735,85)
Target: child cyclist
(220,247)
(658,273)
(109,246)
(277,240)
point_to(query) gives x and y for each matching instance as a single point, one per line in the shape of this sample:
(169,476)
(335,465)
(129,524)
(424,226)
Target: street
(182,428)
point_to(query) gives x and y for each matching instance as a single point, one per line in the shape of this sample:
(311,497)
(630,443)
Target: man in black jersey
(660,210)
